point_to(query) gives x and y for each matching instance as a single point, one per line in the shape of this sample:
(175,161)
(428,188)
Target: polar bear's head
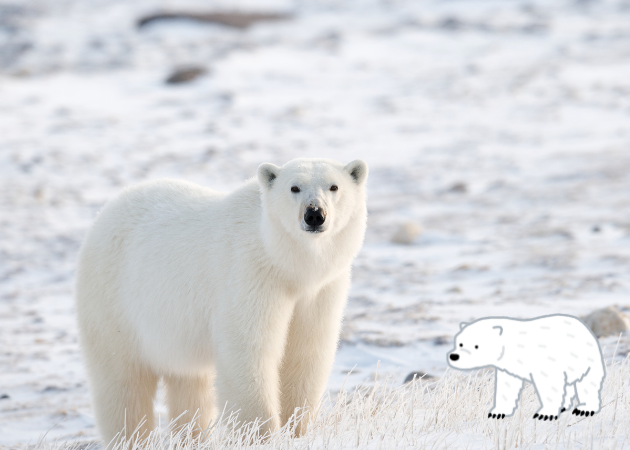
(479,344)
(313,197)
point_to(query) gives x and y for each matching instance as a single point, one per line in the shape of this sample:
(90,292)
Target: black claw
(556,418)
(540,417)
(575,411)
(592,413)
(489,415)
(582,413)
(535,415)
(563,410)
(503,416)
(494,416)
(546,417)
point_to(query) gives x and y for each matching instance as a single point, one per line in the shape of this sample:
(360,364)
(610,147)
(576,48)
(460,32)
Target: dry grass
(450,413)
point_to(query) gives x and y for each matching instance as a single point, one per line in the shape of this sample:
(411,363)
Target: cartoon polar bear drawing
(180,282)
(558,354)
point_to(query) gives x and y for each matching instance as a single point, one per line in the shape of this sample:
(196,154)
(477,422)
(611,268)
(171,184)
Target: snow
(502,127)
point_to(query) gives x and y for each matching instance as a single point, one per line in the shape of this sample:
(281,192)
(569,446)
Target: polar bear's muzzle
(314,218)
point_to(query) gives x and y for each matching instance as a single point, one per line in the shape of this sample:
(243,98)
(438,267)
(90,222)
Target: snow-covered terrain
(502,127)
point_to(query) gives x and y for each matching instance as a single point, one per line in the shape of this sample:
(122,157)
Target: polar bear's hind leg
(123,399)
(191,397)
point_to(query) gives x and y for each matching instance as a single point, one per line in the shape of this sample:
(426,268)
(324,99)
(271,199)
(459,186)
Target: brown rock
(607,321)
(406,233)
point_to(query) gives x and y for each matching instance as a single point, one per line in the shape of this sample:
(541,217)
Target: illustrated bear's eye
(295,189)
(333,187)
(476,346)
(461,345)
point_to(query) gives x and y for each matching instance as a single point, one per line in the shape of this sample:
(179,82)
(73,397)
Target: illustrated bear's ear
(267,172)
(463,325)
(358,170)
(500,328)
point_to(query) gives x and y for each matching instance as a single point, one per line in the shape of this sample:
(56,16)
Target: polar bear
(178,282)
(557,353)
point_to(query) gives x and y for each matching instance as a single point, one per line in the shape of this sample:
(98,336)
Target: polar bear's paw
(496,416)
(579,412)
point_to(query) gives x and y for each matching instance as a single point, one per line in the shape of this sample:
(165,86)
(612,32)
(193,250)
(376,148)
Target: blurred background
(497,134)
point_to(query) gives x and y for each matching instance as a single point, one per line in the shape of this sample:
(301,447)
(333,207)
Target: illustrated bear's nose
(454,356)
(314,216)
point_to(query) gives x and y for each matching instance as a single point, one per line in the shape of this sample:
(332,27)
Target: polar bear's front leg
(310,350)
(250,343)
(506,392)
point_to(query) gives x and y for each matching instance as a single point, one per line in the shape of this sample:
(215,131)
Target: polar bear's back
(145,219)
(146,250)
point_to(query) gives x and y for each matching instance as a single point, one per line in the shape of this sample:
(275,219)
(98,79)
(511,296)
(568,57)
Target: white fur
(557,353)
(181,282)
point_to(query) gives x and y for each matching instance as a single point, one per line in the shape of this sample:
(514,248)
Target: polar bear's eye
(476,346)
(295,189)
(333,187)
(461,345)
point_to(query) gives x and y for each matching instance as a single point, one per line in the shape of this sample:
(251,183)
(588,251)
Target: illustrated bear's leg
(550,389)
(589,392)
(123,396)
(569,395)
(310,351)
(506,393)
(248,360)
(191,397)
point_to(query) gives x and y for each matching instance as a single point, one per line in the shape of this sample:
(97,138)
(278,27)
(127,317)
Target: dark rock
(50,389)
(442,340)
(185,74)
(4,397)
(451,23)
(239,20)
(425,376)
(459,188)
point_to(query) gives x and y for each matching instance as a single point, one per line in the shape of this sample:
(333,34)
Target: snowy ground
(503,127)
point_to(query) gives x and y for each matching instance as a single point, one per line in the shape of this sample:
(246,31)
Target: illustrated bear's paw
(579,412)
(545,417)
(492,415)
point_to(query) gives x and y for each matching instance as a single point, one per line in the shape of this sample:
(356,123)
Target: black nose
(454,356)
(314,216)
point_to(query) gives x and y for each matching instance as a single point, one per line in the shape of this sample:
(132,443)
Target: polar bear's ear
(462,325)
(267,172)
(358,170)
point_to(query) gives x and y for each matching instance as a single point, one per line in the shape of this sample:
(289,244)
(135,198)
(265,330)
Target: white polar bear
(177,281)
(557,353)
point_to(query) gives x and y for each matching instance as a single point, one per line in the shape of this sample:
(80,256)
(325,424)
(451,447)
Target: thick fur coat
(232,298)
